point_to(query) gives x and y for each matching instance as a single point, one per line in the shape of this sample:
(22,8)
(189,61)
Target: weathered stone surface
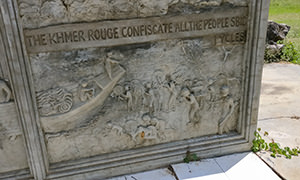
(103,87)
(36,13)
(12,152)
(170,120)
(276,32)
(203,3)
(237,2)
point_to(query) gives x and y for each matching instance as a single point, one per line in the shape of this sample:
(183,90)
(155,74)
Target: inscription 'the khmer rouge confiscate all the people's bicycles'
(112,33)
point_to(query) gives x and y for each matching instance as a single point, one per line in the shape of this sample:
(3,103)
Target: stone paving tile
(280,91)
(284,131)
(245,166)
(159,174)
(206,169)
(242,166)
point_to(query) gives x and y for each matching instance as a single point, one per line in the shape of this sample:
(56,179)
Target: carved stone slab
(105,88)
(112,33)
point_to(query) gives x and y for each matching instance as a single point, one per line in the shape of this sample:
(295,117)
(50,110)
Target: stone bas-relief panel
(104,100)
(103,87)
(11,140)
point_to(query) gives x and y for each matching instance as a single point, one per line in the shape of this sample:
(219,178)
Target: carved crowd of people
(165,92)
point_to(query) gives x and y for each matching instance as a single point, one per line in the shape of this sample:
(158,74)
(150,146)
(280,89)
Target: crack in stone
(171,169)
(280,117)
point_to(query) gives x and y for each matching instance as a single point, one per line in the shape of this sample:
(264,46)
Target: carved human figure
(173,95)
(160,126)
(194,105)
(158,88)
(199,91)
(157,102)
(117,92)
(211,93)
(84,92)
(227,110)
(137,95)
(187,83)
(227,53)
(108,64)
(128,97)
(148,100)
(5,93)
(146,119)
(116,128)
(211,89)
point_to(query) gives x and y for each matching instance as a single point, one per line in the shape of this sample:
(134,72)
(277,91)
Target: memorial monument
(91,89)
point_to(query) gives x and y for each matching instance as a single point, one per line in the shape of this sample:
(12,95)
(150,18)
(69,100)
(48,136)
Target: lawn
(287,12)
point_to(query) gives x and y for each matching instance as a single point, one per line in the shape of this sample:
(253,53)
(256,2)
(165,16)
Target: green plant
(290,53)
(287,12)
(190,157)
(271,56)
(260,144)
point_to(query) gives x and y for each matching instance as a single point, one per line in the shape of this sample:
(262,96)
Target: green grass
(287,12)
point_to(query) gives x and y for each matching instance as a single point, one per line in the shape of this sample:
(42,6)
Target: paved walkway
(279,114)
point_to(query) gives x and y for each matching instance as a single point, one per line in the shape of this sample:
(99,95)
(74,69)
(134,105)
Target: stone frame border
(152,157)
(21,83)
